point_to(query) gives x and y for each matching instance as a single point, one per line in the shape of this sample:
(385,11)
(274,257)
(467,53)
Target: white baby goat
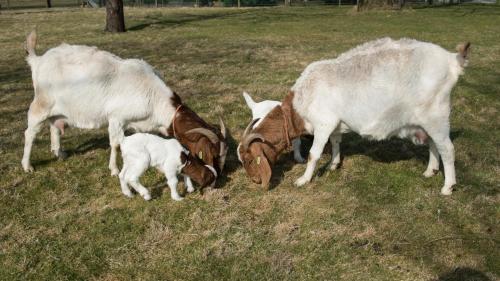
(141,151)
(259,111)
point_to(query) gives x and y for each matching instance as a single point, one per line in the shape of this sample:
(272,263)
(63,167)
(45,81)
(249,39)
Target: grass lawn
(377,218)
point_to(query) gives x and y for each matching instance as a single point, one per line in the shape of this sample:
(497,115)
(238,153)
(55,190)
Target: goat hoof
(128,194)
(146,197)
(334,166)
(190,189)
(28,168)
(430,173)
(300,160)
(301,181)
(446,190)
(178,198)
(62,155)
(115,172)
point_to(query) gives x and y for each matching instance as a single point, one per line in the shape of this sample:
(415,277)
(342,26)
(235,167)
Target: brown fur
(197,144)
(196,170)
(260,156)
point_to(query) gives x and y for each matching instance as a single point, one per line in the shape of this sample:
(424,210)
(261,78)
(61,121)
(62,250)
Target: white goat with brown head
(87,88)
(380,89)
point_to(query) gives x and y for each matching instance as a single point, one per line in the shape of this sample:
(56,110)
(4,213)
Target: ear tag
(258,160)
(200,155)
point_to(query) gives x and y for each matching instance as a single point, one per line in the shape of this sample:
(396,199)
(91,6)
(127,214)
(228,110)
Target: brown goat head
(198,171)
(260,147)
(205,141)
(257,162)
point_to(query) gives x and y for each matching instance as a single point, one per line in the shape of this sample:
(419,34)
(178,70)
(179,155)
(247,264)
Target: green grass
(376,218)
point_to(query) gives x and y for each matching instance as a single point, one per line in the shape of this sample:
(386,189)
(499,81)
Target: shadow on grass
(92,144)
(466,9)
(386,151)
(486,88)
(14,75)
(178,20)
(284,164)
(232,163)
(463,274)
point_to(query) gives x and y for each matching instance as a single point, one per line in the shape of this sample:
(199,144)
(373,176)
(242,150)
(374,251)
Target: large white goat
(380,89)
(84,87)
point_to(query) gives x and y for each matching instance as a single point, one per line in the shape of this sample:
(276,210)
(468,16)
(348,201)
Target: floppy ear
(264,170)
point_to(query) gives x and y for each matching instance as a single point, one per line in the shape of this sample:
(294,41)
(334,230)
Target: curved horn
(223,130)
(206,132)
(248,140)
(249,127)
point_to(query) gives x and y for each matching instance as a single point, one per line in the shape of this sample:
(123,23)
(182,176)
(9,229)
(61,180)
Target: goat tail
(463,50)
(31,44)
(248,100)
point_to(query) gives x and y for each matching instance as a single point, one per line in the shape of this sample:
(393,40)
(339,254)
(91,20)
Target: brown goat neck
(280,126)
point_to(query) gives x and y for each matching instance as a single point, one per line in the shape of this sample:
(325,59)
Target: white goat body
(141,151)
(259,111)
(381,89)
(88,88)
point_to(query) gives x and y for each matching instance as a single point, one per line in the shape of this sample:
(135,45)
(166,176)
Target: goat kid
(84,87)
(259,111)
(380,89)
(141,151)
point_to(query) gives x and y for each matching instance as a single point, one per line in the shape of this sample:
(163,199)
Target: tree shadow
(488,86)
(14,75)
(463,274)
(179,20)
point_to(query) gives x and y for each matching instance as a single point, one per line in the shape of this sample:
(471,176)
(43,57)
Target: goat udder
(59,123)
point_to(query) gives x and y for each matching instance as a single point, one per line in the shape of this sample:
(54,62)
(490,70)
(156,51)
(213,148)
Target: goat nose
(256,180)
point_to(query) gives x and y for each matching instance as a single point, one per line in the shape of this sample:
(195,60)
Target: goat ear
(264,170)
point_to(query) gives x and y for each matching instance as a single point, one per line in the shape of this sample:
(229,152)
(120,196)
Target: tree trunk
(49,3)
(115,21)
(401,4)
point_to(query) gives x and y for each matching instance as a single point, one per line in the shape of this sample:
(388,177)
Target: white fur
(88,88)
(141,151)
(259,111)
(381,89)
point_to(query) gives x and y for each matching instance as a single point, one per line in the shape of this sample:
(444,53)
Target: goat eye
(258,160)
(200,155)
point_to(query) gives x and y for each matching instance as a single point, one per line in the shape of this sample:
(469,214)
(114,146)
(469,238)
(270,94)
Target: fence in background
(26,4)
